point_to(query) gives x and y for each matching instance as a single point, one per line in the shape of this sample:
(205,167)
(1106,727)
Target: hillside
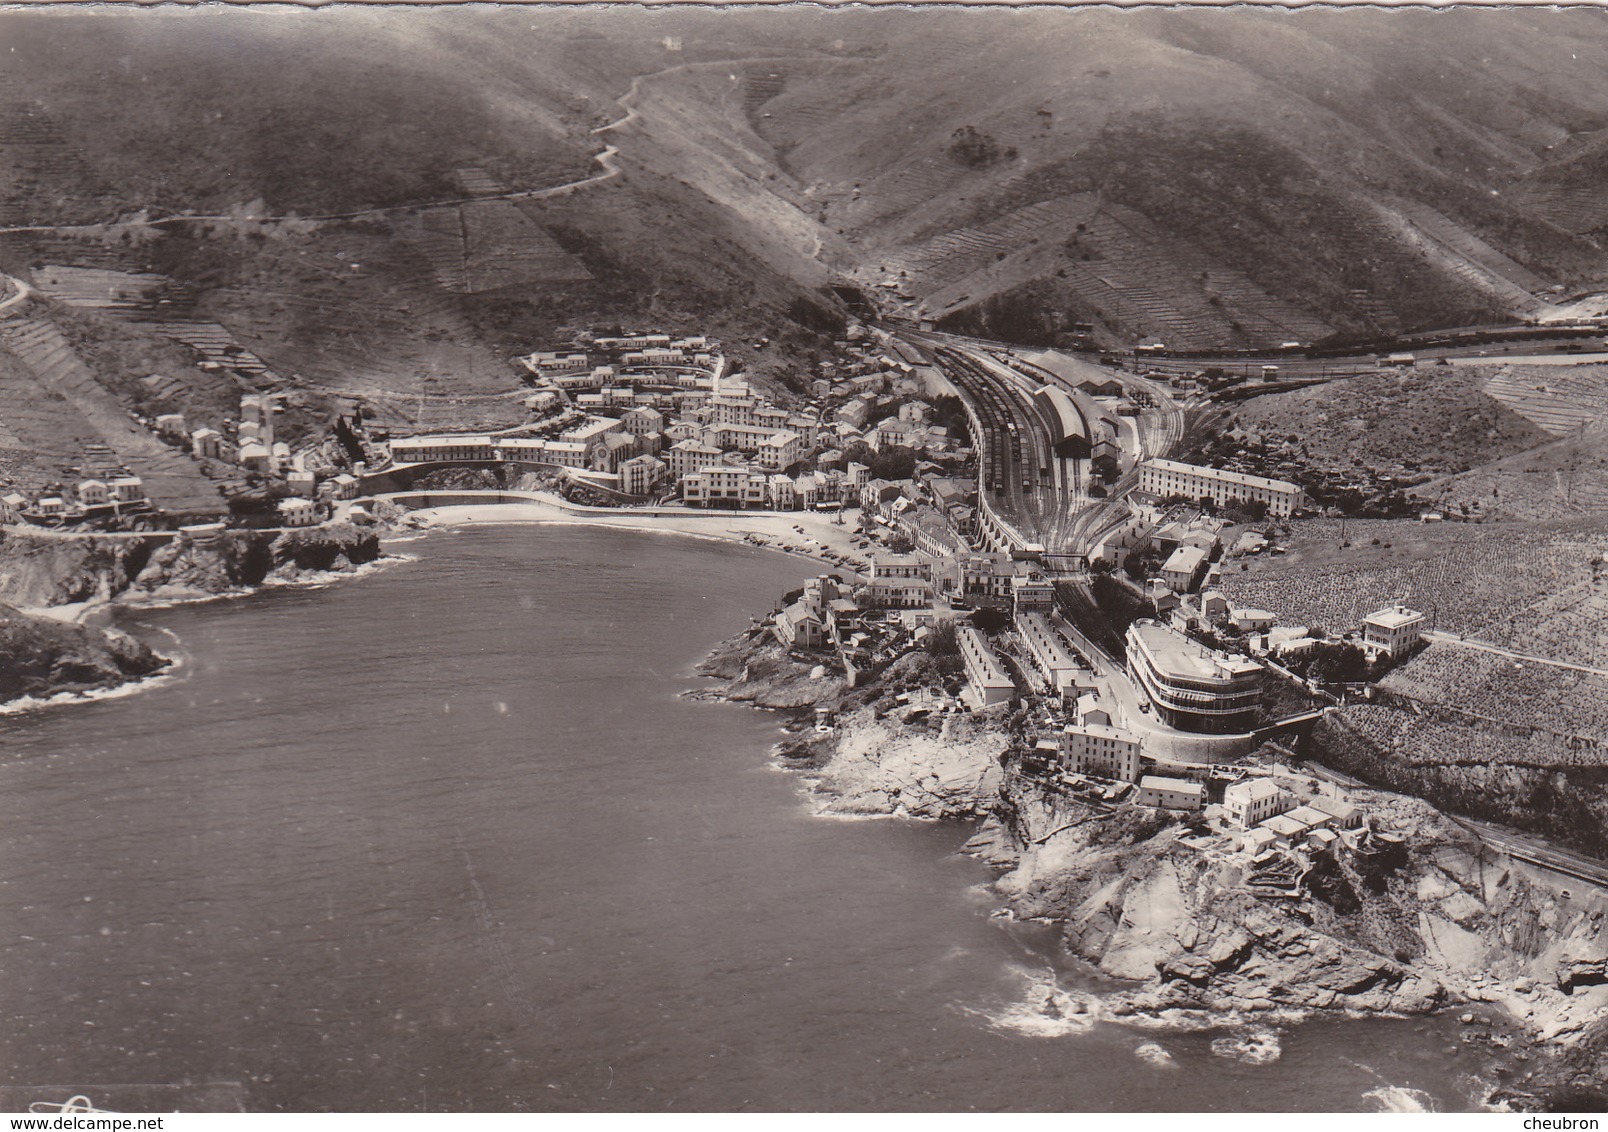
(1126,168)
(385,205)
(1434,419)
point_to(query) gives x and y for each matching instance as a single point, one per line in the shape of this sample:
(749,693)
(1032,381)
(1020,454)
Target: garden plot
(99,288)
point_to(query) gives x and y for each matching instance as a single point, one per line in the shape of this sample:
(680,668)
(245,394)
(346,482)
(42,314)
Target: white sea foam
(1154,1053)
(1252,1047)
(319,579)
(59,699)
(1045,1010)
(1399,1098)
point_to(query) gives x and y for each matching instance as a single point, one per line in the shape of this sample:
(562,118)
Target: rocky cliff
(40,656)
(43,569)
(1189,930)
(1426,918)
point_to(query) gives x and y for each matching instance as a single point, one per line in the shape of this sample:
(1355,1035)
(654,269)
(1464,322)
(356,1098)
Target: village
(1160,693)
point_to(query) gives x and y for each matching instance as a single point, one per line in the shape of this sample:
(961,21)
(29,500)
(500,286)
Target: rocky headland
(42,656)
(1173,918)
(53,637)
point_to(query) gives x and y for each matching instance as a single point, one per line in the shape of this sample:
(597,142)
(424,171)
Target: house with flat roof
(1170,793)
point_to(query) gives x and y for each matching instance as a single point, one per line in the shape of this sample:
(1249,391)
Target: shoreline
(822,784)
(762,530)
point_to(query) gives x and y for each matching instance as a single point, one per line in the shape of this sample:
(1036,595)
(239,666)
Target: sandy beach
(821,538)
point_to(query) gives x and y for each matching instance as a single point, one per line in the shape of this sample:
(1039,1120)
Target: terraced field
(33,150)
(62,418)
(1472,260)
(218,346)
(1559,399)
(953,255)
(1574,209)
(487,246)
(1495,582)
(1519,692)
(99,288)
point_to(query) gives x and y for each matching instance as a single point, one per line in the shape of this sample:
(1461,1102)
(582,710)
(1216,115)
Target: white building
(127,489)
(297,512)
(640,422)
(1182,568)
(1391,632)
(690,456)
(1101,750)
(93,493)
(1168,478)
(988,681)
(642,474)
(1251,802)
(900,567)
(1059,669)
(780,449)
(428,449)
(1170,793)
(205,443)
(722,486)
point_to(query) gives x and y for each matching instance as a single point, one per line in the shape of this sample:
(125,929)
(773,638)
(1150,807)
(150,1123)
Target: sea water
(449,838)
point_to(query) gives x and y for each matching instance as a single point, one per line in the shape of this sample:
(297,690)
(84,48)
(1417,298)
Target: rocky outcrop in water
(40,656)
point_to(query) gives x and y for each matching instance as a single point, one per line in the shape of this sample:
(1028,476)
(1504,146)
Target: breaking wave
(1252,1047)
(1399,1098)
(1045,1010)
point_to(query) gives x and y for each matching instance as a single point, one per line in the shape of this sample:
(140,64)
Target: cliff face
(1412,926)
(42,570)
(755,669)
(40,656)
(1559,795)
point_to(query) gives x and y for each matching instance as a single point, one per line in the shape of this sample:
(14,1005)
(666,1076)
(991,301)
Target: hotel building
(1192,687)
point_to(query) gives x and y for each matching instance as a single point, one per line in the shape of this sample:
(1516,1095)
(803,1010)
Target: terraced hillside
(1434,419)
(1492,581)
(1559,399)
(488,246)
(62,422)
(1204,178)
(1168,117)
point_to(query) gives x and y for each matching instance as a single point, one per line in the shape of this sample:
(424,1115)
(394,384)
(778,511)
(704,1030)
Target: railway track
(1016,459)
